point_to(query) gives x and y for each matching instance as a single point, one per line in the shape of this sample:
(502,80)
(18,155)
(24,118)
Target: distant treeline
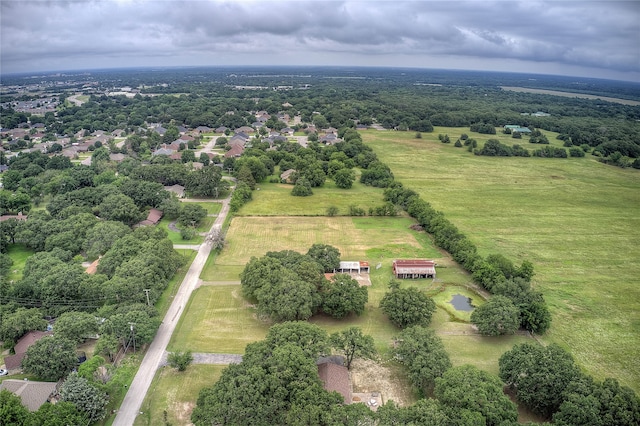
(404,101)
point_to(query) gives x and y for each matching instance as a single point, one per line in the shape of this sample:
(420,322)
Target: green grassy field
(275,199)
(254,236)
(219,320)
(19,253)
(210,206)
(575,219)
(175,393)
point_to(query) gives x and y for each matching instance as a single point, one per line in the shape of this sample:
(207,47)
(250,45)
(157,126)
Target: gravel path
(209,358)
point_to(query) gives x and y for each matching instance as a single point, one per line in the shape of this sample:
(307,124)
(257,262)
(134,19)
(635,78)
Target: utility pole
(133,335)
(146,291)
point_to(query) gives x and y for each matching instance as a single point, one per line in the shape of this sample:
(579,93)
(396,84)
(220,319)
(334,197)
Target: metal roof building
(414,268)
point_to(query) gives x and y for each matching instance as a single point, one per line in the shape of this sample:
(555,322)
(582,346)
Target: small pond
(462,303)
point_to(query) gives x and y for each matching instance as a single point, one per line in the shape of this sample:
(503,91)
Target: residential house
(328,139)
(13,363)
(205,129)
(287,176)
(242,135)
(285,118)
(159,130)
(335,376)
(118,158)
(176,189)
(153,218)
(235,151)
(32,394)
(162,151)
(237,140)
(222,129)
(83,146)
(176,145)
(93,267)
(287,131)
(517,128)
(245,129)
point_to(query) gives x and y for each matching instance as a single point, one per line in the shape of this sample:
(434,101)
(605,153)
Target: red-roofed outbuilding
(414,268)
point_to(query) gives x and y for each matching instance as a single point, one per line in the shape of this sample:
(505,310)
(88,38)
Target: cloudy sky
(581,38)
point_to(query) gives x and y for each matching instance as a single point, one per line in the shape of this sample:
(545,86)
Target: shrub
(302,188)
(356,211)
(180,360)
(576,152)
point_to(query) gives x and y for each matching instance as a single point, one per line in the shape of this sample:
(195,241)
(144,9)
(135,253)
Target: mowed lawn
(217,319)
(173,394)
(576,219)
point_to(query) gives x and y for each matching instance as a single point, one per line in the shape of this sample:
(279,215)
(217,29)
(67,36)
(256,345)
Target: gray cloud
(590,38)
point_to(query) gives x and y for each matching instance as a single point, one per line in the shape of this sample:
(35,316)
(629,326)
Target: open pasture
(254,236)
(275,199)
(576,220)
(218,319)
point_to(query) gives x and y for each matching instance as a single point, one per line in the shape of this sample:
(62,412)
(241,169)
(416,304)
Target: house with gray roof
(32,394)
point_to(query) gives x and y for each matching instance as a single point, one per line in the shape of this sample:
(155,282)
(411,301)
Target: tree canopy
(352,343)
(343,295)
(50,358)
(469,388)
(290,286)
(277,382)
(498,316)
(85,396)
(539,375)
(327,256)
(424,355)
(407,306)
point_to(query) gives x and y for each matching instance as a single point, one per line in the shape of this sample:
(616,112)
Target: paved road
(130,407)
